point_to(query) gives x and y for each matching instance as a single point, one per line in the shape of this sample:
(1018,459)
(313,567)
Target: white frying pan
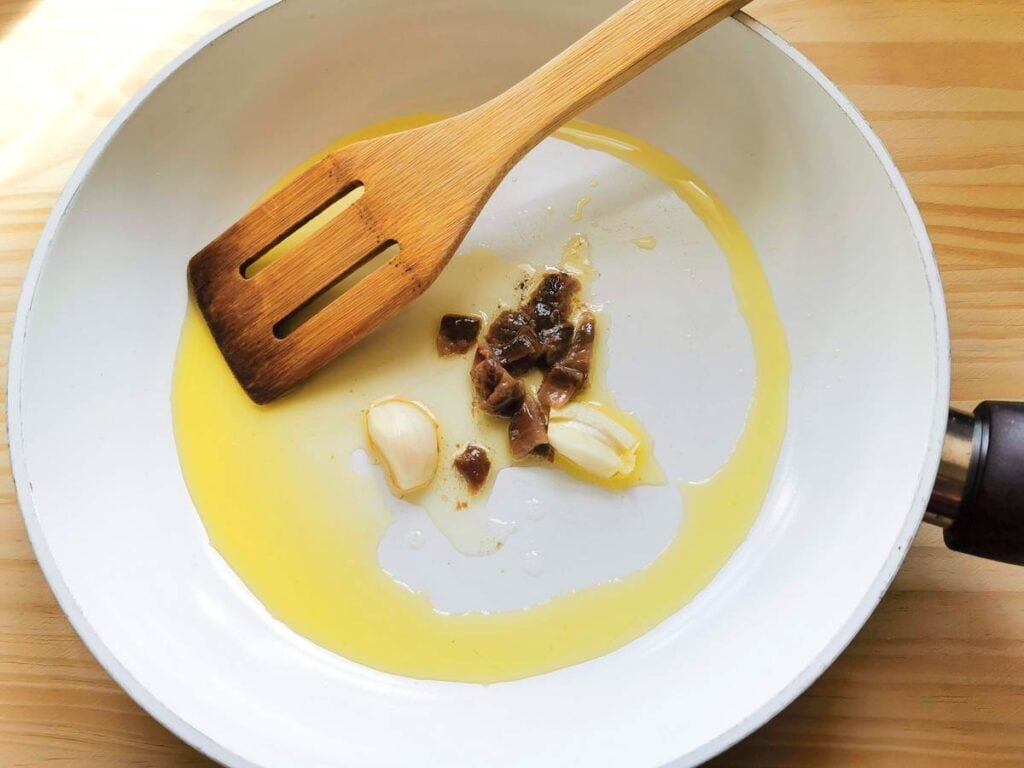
(852,272)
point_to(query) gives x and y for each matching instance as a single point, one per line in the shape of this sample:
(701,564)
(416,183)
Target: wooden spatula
(423,189)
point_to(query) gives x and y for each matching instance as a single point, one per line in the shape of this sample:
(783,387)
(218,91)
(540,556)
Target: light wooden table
(937,676)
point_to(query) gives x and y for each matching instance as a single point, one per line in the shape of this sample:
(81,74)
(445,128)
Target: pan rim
(739,730)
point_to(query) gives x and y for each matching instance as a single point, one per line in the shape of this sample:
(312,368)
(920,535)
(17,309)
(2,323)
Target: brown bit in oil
(514,341)
(556,341)
(474,465)
(528,429)
(457,334)
(549,308)
(538,334)
(498,391)
(572,373)
(551,302)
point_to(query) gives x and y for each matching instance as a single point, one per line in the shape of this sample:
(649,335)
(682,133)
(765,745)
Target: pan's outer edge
(23,486)
(930,467)
(739,730)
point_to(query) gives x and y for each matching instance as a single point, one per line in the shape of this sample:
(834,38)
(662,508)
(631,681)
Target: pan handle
(979,493)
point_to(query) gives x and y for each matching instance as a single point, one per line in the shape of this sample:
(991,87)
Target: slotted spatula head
(419,192)
(422,191)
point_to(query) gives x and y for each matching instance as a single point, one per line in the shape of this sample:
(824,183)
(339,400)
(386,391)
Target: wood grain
(935,679)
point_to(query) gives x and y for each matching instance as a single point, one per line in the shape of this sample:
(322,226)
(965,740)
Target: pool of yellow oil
(288,511)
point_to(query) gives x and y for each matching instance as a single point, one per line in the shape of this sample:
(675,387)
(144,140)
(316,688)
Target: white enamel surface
(586,535)
(96,468)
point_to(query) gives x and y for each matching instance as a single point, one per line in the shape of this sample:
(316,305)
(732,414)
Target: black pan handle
(979,493)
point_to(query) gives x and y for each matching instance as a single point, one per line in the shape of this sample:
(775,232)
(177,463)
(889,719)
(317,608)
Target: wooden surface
(937,676)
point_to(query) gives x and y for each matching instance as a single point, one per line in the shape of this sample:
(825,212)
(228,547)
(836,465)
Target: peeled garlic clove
(593,441)
(602,422)
(584,447)
(403,436)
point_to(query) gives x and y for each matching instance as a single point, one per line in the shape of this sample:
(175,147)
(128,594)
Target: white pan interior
(852,273)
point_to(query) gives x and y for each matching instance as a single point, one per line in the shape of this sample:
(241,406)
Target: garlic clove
(594,417)
(404,438)
(585,447)
(593,441)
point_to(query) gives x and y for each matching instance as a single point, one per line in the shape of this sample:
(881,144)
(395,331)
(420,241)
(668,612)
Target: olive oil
(300,524)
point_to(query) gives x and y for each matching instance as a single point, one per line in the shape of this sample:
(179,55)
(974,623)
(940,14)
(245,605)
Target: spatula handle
(636,37)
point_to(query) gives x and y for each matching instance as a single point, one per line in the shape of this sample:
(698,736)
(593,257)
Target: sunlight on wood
(69,78)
